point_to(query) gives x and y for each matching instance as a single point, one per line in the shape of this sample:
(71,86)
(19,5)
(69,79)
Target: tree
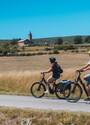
(6,48)
(87,39)
(78,40)
(14,49)
(59,41)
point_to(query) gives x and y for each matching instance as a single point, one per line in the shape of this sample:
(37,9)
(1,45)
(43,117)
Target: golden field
(33,63)
(18,73)
(12,116)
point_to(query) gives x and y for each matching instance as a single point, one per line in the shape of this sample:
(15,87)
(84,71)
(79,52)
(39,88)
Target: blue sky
(44,18)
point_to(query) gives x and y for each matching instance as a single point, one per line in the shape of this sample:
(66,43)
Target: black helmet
(52,59)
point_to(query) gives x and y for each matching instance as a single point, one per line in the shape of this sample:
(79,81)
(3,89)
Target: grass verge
(19,83)
(12,116)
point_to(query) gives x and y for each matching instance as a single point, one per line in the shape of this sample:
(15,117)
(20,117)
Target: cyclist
(87,78)
(56,71)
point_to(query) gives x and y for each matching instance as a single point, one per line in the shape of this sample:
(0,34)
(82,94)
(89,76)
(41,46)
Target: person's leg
(87,79)
(49,80)
(88,89)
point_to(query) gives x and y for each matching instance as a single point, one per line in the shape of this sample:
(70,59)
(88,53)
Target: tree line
(12,48)
(76,40)
(7,48)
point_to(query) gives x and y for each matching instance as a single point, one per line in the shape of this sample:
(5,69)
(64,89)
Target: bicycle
(61,91)
(77,88)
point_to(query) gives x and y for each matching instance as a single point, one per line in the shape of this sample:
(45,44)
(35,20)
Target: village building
(25,42)
(21,43)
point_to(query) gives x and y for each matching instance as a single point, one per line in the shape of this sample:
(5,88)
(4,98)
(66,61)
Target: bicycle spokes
(75,94)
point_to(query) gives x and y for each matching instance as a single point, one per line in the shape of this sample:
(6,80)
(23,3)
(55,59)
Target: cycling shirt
(56,70)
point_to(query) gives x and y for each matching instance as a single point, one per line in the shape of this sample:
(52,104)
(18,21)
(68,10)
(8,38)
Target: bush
(41,53)
(50,52)
(78,40)
(55,52)
(76,51)
(59,41)
(87,39)
(48,49)
(65,47)
(7,49)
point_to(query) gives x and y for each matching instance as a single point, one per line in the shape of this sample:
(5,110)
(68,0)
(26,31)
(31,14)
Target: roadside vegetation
(12,116)
(19,83)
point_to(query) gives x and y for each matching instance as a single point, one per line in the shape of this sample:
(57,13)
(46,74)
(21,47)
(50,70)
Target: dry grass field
(12,116)
(18,73)
(68,61)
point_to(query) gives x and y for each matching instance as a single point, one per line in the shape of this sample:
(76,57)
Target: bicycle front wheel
(75,93)
(38,89)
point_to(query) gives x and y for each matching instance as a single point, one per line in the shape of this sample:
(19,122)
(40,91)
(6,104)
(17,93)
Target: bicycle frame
(44,80)
(81,82)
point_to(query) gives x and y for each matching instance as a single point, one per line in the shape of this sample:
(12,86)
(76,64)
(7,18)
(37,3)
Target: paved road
(43,103)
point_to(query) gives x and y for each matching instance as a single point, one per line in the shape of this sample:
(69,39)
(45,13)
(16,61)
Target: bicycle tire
(75,93)
(62,94)
(38,89)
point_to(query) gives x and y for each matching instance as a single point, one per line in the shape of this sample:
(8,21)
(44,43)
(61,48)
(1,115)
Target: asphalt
(43,103)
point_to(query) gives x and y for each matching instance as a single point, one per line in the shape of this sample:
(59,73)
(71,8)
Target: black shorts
(56,77)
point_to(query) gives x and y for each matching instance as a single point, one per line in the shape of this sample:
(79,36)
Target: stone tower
(30,37)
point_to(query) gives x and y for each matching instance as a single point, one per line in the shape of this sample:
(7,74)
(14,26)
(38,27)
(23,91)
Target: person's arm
(48,71)
(85,68)
(88,68)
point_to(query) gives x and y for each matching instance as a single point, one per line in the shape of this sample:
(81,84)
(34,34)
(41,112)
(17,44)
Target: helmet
(52,59)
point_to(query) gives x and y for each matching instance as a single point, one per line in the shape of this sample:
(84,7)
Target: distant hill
(5,40)
(66,39)
(51,40)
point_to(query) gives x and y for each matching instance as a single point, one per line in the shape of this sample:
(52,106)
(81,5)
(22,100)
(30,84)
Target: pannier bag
(65,84)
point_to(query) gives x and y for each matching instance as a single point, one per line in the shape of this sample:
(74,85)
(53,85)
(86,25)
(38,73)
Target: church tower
(30,37)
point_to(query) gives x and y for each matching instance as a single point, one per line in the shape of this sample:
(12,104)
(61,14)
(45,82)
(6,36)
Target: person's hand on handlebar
(43,73)
(80,70)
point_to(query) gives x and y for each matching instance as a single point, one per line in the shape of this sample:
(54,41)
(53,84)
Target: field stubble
(17,74)
(12,116)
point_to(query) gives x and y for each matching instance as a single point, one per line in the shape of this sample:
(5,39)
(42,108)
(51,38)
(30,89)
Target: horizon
(50,37)
(44,19)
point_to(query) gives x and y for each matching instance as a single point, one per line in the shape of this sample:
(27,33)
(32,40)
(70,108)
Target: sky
(44,18)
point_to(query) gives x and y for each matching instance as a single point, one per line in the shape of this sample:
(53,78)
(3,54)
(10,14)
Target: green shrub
(50,52)
(41,53)
(48,49)
(55,51)
(65,47)
(76,51)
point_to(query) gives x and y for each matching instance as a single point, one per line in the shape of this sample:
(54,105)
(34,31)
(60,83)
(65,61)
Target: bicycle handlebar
(78,71)
(43,74)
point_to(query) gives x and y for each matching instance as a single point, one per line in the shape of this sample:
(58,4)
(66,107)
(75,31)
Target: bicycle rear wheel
(62,93)
(37,90)
(75,93)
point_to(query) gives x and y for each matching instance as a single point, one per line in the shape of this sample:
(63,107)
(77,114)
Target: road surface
(43,103)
